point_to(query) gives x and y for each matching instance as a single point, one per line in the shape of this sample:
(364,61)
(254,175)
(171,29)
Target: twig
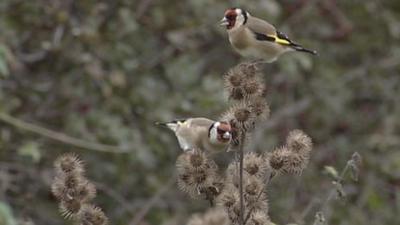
(333,190)
(150,203)
(60,136)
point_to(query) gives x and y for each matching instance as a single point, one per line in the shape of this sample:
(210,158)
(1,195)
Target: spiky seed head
(69,208)
(259,217)
(235,81)
(248,70)
(197,160)
(229,197)
(237,93)
(287,162)
(240,117)
(197,174)
(92,215)
(69,163)
(298,142)
(260,108)
(251,87)
(254,194)
(86,192)
(255,165)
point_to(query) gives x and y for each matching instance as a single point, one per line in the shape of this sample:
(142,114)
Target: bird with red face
(201,134)
(255,38)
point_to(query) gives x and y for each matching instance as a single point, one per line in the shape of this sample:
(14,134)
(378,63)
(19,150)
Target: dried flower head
(240,116)
(254,193)
(213,216)
(298,142)
(92,215)
(197,174)
(242,82)
(259,217)
(247,69)
(69,163)
(68,187)
(229,197)
(193,161)
(285,161)
(260,108)
(70,208)
(255,165)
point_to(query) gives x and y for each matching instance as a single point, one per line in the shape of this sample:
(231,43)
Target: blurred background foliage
(92,77)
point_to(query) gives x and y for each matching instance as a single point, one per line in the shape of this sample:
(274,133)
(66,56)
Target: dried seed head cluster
(74,192)
(246,87)
(198,175)
(294,156)
(244,81)
(213,216)
(241,190)
(255,172)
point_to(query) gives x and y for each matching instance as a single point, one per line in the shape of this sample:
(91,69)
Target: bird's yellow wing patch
(279,40)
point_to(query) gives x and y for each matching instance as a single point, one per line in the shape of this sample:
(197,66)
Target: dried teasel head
(298,142)
(254,194)
(242,82)
(229,197)
(260,108)
(92,215)
(248,69)
(69,187)
(255,165)
(69,209)
(259,217)
(240,116)
(195,160)
(285,161)
(197,174)
(69,163)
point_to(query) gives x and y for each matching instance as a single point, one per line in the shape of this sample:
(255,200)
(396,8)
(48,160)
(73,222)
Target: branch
(20,124)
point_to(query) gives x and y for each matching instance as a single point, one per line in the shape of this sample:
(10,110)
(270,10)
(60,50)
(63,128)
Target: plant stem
(60,136)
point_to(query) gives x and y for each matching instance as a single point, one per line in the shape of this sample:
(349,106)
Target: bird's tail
(300,48)
(173,125)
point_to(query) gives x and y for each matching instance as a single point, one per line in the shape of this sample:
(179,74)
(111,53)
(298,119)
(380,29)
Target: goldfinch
(201,134)
(255,38)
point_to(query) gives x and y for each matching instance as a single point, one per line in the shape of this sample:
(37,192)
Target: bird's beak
(227,135)
(224,22)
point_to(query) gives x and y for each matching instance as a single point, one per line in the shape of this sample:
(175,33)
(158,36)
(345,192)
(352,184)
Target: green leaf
(32,150)
(331,171)
(6,215)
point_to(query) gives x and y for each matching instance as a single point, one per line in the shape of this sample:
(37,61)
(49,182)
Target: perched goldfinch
(201,133)
(256,38)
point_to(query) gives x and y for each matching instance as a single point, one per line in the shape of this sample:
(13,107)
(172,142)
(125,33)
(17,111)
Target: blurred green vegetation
(104,71)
